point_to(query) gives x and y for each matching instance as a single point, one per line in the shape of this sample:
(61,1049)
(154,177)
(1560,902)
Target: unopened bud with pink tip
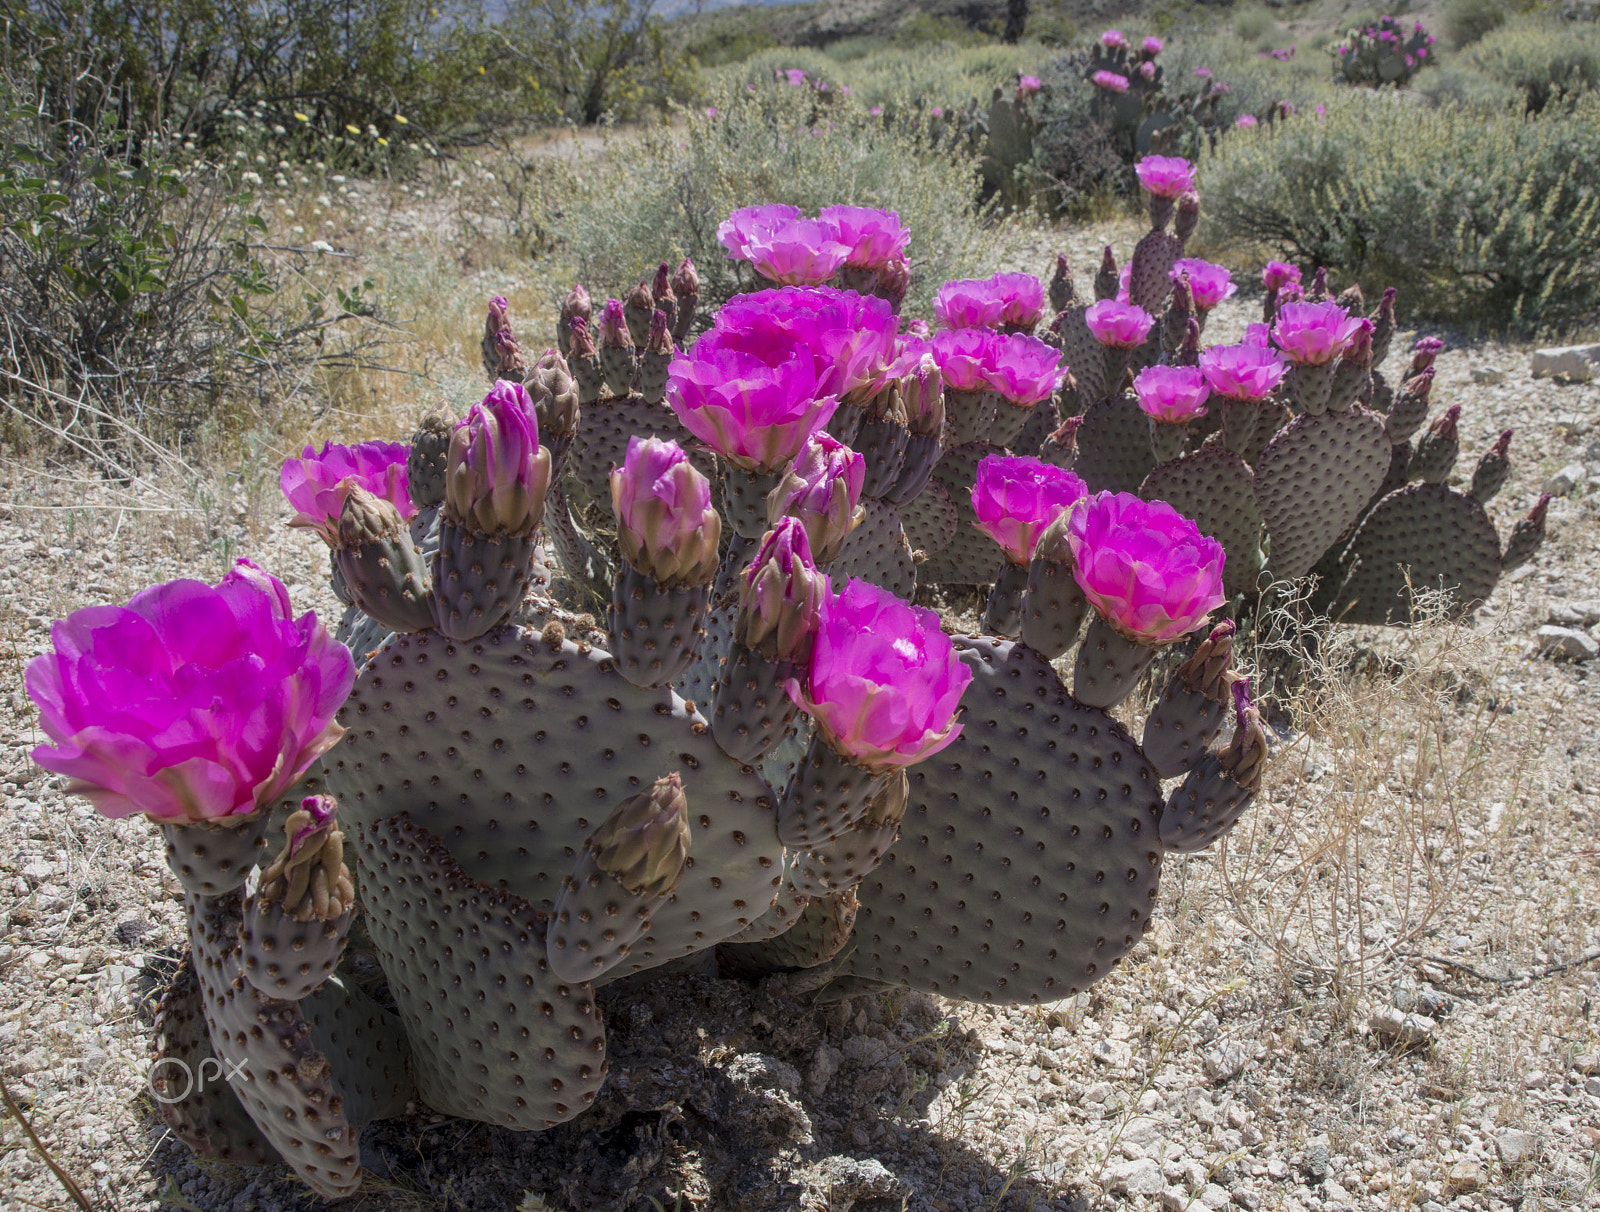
(1526,537)
(666,525)
(1246,755)
(1107,278)
(1383,326)
(1423,355)
(1492,470)
(580,343)
(576,306)
(1188,215)
(1438,449)
(614,327)
(822,490)
(497,475)
(781,596)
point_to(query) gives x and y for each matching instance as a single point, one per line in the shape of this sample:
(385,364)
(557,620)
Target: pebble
(1567,643)
(1140,1177)
(1226,1061)
(1566,480)
(1574,361)
(1464,1178)
(1516,1148)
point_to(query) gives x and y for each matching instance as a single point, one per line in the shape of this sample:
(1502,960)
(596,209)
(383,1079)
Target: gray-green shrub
(1540,58)
(1466,21)
(1483,217)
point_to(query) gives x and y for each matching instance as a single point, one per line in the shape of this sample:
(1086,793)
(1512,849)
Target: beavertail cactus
(293,930)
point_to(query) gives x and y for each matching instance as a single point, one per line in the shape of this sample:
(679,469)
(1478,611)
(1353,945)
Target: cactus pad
(604,428)
(1028,859)
(478,579)
(212,859)
(512,748)
(1149,279)
(881,442)
(751,711)
(929,519)
(821,933)
(1108,665)
(827,794)
(877,551)
(1441,537)
(655,632)
(1114,446)
(969,558)
(494,1035)
(1084,355)
(1202,808)
(1215,489)
(1312,481)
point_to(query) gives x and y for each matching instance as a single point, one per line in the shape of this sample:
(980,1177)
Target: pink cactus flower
(1016,498)
(849,335)
(1147,70)
(1022,299)
(1117,324)
(936,112)
(1172,394)
(1165,176)
(754,403)
(968,303)
(1153,45)
(885,681)
(613,325)
(496,476)
(711,111)
(666,524)
(315,483)
(1124,281)
(1203,72)
(1242,372)
(1314,334)
(874,237)
(1259,335)
(1278,274)
(1321,110)
(1210,284)
(796,252)
(876,111)
(1027,86)
(1145,568)
(1113,39)
(822,489)
(965,356)
(190,703)
(795,76)
(1246,121)
(1023,369)
(1111,82)
(734,232)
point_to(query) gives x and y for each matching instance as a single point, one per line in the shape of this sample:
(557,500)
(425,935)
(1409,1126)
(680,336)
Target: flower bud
(1206,670)
(686,281)
(822,490)
(922,393)
(1107,279)
(1188,215)
(614,327)
(554,396)
(1062,289)
(576,305)
(308,877)
(781,596)
(582,339)
(661,286)
(497,475)
(644,843)
(666,526)
(660,340)
(1246,755)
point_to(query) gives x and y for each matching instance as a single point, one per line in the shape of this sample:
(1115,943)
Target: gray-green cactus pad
(876,551)
(213,859)
(365,1047)
(970,557)
(193,1098)
(495,1036)
(1149,276)
(1114,446)
(604,428)
(277,1072)
(1215,489)
(822,931)
(1085,356)
(512,751)
(1041,423)
(286,958)
(929,519)
(360,633)
(1312,481)
(1206,805)
(1422,537)
(1028,858)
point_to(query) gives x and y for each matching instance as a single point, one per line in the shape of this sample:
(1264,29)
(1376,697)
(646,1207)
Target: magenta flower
(968,303)
(876,111)
(1258,334)
(711,111)
(734,232)
(1022,299)
(1314,334)
(885,680)
(1153,46)
(1165,176)
(1210,284)
(965,357)
(496,475)
(1027,85)
(822,490)
(849,335)
(796,76)
(1203,73)
(1016,498)
(1246,120)
(1147,70)
(1113,39)
(666,524)
(1111,82)
(1145,568)
(315,482)
(1242,372)
(190,703)
(874,237)
(1117,324)
(1174,394)
(936,112)
(1278,274)
(755,403)
(796,252)
(1023,369)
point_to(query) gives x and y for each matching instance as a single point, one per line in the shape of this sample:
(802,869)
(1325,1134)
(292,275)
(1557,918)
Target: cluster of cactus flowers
(1385,52)
(767,758)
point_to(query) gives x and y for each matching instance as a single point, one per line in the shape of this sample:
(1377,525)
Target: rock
(1277,1169)
(1226,1061)
(1141,1177)
(1098,1092)
(1591,1085)
(1568,479)
(839,1183)
(1567,643)
(1488,375)
(1434,1004)
(1464,1178)
(1314,1161)
(1588,1063)
(1516,1148)
(37,872)
(825,1063)
(1574,361)
(1197,1103)
(1175,1199)
(1214,1197)
(1113,1052)
(136,931)
(1408,1030)
(1585,613)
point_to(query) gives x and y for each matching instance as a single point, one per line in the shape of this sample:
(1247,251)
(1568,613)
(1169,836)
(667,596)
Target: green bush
(1541,59)
(896,76)
(1482,217)
(661,196)
(1466,21)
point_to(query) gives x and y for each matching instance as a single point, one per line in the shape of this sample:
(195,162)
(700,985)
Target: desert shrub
(895,75)
(662,195)
(1256,84)
(1252,24)
(1482,217)
(1466,21)
(1541,59)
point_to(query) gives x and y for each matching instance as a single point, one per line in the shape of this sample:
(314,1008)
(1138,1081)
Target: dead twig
(78,1197)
